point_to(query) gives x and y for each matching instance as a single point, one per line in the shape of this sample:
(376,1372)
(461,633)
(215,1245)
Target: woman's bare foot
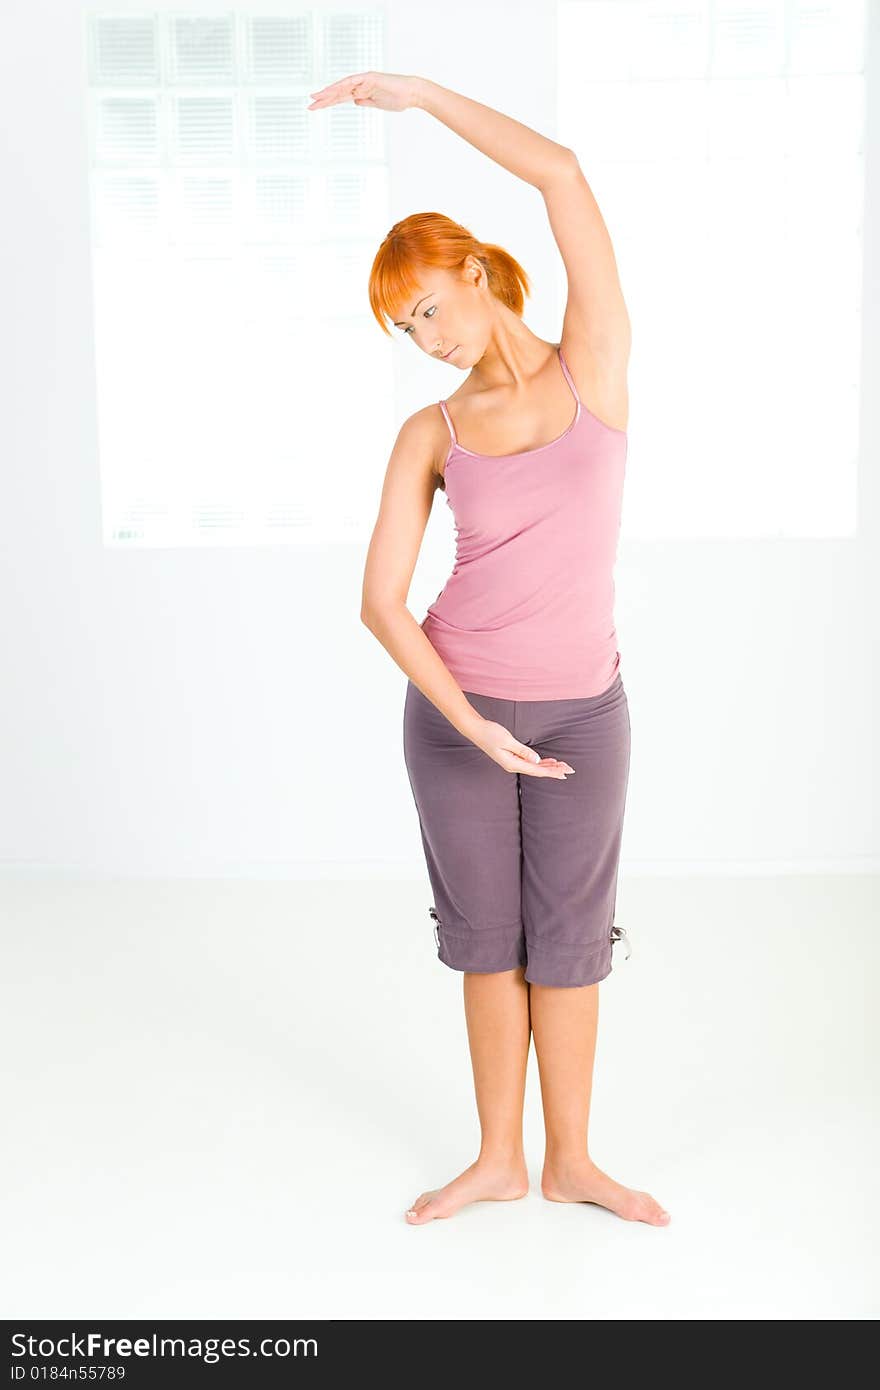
(579,1180)
(486,1180)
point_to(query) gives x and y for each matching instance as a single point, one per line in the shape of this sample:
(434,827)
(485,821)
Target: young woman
(514,673)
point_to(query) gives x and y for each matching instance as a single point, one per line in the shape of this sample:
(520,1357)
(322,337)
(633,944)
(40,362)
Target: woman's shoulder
(426,434)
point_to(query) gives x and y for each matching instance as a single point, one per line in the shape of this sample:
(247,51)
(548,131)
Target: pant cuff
(568,966)
(483,951)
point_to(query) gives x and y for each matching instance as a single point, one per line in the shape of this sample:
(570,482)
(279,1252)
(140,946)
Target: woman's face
(449,315)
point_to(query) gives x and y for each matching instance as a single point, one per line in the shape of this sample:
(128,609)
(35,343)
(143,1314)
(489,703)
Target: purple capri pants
(523,870)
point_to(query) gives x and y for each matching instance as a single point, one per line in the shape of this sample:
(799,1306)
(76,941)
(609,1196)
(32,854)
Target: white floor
(220,1098)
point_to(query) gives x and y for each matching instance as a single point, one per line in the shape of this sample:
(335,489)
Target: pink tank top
(528,611)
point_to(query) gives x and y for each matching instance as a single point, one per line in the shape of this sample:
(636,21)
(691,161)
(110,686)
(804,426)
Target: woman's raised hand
(500,745)
(385,91)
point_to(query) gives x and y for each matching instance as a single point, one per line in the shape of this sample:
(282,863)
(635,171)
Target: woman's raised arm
(596,318)
(516,147)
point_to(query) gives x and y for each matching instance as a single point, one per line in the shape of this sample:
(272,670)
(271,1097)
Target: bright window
(233,232)
(725,144)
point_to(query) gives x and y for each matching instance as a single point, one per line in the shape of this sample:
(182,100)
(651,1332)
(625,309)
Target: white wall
(225,712)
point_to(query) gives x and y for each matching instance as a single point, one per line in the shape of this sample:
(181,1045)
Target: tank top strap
(568,376)
(442,405)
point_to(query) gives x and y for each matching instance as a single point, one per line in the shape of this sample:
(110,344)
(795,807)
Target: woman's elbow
(375,611)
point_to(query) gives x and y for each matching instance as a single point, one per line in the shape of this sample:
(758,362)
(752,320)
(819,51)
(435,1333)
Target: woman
(514,679)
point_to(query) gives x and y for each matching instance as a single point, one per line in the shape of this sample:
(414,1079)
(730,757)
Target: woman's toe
(417,1211)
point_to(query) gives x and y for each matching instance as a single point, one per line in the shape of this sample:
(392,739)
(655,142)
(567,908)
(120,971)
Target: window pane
(725,145)
(232,237)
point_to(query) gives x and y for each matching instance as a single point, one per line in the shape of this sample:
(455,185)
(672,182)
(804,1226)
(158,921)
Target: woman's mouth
(448,354)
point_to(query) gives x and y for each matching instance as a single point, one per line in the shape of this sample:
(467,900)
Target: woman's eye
(426,314)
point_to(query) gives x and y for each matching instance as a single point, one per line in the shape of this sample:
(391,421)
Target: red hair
(430,239)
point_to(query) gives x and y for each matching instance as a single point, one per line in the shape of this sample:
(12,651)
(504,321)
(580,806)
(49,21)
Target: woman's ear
(475,268)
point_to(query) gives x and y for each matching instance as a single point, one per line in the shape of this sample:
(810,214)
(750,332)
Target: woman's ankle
(509,1155)
(565,1154)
